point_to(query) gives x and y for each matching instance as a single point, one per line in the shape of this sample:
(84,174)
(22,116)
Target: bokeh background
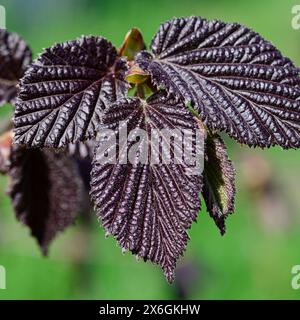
(252,261)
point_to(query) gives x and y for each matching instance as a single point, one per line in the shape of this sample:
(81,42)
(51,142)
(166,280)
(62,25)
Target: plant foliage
(204,74)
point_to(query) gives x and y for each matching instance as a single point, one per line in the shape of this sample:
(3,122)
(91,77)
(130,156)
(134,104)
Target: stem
(140,92)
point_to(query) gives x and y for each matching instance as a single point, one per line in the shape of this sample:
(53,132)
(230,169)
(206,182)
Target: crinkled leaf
(147,207)
(45,189)
(65,91)
(237,81)
(218,181)
(15,56)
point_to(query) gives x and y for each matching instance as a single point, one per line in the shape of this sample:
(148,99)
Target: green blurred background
(252,261)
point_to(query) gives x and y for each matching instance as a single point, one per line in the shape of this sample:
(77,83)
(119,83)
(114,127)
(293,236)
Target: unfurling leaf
(133,43)
(15,56)
(45,189)
(147,206)
(136,75)
(236,80)
(65,91)
(218,181)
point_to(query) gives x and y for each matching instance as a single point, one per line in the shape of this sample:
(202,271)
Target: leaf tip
(132,44)
(169,274)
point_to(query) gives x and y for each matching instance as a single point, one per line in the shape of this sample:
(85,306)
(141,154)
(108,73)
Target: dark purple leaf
(15,56)
(65,91)
(218,181)
(147,207)
(236,80)
(45,190)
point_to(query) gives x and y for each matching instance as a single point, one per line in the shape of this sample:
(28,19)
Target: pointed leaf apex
(132,44)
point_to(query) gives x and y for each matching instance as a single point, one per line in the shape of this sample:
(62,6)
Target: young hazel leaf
(218,181)
(15,56)
(236,80)
(65,92)
(45,190)
(147,207)
(132,44)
